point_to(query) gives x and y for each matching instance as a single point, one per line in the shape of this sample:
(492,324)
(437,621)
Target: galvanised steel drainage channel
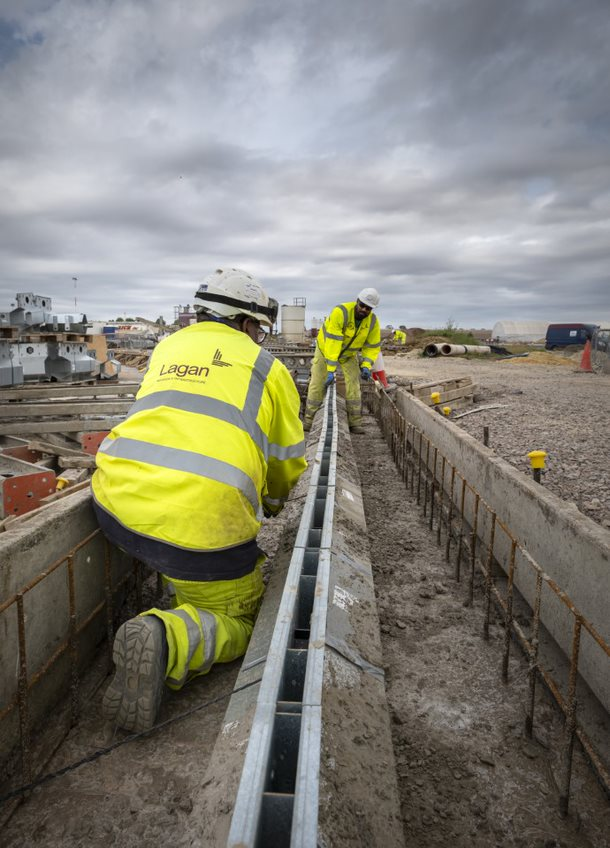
(277,799)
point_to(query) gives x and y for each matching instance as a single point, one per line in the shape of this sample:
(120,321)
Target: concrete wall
(567,545)
(26,551)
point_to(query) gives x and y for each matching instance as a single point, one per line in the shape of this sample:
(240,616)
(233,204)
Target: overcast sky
(455,154)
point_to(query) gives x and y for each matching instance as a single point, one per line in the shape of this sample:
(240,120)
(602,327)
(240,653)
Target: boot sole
(134,695)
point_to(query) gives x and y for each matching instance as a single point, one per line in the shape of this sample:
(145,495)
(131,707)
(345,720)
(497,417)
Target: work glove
(365,373)
(330,378)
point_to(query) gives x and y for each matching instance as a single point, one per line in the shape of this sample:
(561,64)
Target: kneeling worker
(212,442)
(350,329)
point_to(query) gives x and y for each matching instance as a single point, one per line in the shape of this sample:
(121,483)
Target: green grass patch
(454,336)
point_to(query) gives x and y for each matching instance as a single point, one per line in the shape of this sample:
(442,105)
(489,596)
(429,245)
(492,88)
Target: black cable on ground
(131,738)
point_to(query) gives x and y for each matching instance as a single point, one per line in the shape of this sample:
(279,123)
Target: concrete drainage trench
(468,773)
(447,760)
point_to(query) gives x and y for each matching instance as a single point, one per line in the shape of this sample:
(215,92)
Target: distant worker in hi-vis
(212,443)
(351,332)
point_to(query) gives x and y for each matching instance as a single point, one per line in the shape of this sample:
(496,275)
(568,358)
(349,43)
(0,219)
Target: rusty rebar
(489,576)
(473,547)
(533,666)
(570,726)
(23,694)
(426,476)
(432,489)
(450,514)
(73,644)
(508,618)
(458,556)
(109,605)
(441,498)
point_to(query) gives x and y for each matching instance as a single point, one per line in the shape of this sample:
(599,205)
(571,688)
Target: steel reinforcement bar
(27,680)
(277,799)
(450,504)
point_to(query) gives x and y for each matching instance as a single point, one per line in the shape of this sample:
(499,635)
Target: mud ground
(468,775)
(143,792)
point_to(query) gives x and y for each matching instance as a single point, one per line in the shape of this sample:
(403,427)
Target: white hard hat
(230,292)
(370,297)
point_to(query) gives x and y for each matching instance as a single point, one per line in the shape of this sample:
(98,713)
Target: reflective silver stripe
(374,345)
(221,410)
(260,372)
(332,335)
(194,638)
(292,451)
(189,402)
(366,359)
(344,310)
(275,501)
(208,623)
(332,361)
(183,460)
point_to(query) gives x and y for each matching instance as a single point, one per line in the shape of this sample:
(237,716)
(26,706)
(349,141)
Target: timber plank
(76,425)
(455,394)
(67,391)
(440,385)
(61,407)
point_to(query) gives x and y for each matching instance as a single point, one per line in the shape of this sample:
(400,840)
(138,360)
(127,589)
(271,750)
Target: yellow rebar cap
(446,410)
(61,483)
(536,458)
(435,397)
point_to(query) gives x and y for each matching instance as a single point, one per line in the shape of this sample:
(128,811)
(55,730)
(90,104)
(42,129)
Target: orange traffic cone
(585,359)
(381,378)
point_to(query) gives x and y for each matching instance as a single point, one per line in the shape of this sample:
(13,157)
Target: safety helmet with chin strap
(230,292)
(369,297)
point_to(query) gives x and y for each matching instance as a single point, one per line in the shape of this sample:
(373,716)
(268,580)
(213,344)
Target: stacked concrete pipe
(454,350)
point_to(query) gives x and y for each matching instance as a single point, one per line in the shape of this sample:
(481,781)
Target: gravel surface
(550,407)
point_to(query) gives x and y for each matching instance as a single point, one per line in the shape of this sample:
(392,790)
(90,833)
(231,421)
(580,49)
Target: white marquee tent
(519,331)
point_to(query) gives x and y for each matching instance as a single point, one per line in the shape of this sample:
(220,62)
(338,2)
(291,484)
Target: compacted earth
(468,775)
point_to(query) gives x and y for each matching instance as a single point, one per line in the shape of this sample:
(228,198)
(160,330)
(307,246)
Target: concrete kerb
(357,781)
(567,545)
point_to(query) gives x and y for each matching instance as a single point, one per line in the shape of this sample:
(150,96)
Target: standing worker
(212,442)
(351,329)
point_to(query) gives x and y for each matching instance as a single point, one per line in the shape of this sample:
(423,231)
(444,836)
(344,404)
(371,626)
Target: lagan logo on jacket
(185,370)
(218,360)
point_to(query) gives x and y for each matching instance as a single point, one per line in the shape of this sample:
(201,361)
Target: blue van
(562,335)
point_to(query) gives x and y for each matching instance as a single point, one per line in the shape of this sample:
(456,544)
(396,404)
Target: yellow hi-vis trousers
(317,390)
(211,622)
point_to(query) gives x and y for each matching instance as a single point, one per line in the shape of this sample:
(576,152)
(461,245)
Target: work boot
(358,430)
(140,657)
(306,426)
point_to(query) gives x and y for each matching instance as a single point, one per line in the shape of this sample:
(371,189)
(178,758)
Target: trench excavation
(305,750)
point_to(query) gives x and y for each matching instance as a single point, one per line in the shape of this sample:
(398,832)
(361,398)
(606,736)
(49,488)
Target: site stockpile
(294,747)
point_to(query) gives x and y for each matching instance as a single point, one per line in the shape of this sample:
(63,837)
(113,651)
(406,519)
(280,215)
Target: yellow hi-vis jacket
(399,336)
(213,437)
(339,338)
